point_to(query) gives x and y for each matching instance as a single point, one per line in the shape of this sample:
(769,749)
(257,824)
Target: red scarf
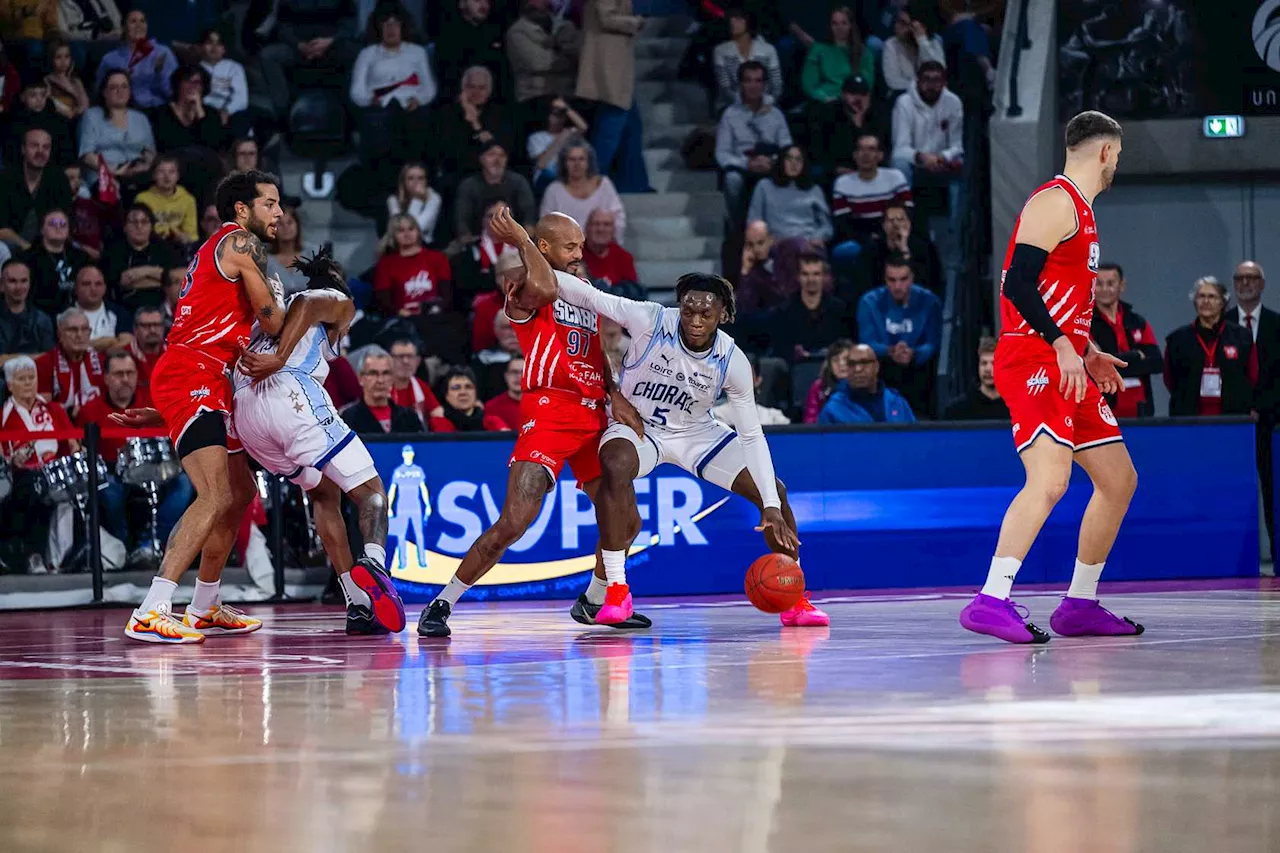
(490,249)
(73,386)
(146,363)
(39,418)
(142,48)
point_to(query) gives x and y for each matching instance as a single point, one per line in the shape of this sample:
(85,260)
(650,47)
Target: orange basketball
(775,583)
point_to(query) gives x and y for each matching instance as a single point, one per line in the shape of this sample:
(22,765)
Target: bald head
(758,240)
(560,241)
(864,367)
(1249,281)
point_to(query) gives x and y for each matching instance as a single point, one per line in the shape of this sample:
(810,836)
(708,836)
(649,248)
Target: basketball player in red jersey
(566,383)
(226,289)
(1053,376)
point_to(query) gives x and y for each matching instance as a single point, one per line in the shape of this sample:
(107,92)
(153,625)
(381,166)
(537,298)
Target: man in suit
(1264,325)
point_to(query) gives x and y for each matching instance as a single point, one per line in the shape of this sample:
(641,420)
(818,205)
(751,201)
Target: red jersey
(213,315)
(401,282)
(561,346)
(1066,284)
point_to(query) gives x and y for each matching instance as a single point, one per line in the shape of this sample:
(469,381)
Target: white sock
(452,591)
(1084,581)
(205,596)
(161,592)
(351,592)
(615,566)
(376,552)
(1000,577)
(596,589)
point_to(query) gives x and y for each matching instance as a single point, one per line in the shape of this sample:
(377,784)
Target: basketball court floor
(718,730)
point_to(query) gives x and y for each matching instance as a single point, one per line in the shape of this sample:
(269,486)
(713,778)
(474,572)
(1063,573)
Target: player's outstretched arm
(244,255)
(740,389)
(633,316)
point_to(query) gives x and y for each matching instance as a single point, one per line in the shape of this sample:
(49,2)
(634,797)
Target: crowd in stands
(839,148)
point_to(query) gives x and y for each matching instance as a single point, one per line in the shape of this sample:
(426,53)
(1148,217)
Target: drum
(147,461)
(67,477)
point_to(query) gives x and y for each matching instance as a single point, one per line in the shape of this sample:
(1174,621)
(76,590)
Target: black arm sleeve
(1020,287)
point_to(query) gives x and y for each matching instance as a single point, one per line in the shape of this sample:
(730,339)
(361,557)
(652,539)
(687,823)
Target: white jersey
(310,357)
(674,389)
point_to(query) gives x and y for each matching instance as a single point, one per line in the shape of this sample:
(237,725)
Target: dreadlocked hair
(321,270)
(709,283)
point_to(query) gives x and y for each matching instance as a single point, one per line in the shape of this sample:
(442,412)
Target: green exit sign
(1223,127)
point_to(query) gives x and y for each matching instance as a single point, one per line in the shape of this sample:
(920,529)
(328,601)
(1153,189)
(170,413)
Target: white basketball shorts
(710,451)
(288,423)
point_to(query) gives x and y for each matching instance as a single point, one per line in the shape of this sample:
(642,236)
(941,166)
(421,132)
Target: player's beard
(1108,175)
(260,229)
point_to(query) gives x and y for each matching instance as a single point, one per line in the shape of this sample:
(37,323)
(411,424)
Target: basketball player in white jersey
(285,419)
(676,365)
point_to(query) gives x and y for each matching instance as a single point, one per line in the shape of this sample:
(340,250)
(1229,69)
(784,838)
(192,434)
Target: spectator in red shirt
(414,284)
(148,342)
(506,406)
(71,374)
(409,278)
(26,519)
(606,261)
(407,389)
(1119,330)
(462,411)
(124,392)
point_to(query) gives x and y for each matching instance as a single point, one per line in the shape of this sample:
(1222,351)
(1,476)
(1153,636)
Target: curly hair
(322,271)
(709,283)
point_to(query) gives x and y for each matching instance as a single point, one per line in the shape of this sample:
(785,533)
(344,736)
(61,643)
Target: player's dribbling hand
(1074,381)
(783,535)
(625,413)
(1105,370)
(259,365)
(137,418)
(505,227)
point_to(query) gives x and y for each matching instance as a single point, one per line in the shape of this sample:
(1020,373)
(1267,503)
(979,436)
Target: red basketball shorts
(1027,376)
(185,383)
(558,429)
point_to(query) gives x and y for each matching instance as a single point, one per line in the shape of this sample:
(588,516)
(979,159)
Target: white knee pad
(351,466)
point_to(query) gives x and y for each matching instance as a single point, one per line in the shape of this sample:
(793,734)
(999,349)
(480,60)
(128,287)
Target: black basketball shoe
(434,621)
(361,622)
(584,611)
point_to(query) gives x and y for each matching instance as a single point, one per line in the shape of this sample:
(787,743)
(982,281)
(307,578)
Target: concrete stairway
(679,228)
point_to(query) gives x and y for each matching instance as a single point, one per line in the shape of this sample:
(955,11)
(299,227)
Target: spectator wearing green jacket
(829,63)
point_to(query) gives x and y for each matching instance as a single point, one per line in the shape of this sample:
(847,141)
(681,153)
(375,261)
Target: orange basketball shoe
(617,605)
(805,615)
(221,619)
(160,626)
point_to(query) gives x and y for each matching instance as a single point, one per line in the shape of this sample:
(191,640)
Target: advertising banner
(876,508)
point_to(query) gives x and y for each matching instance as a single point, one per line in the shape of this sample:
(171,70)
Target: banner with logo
(1152,59)
(876,508)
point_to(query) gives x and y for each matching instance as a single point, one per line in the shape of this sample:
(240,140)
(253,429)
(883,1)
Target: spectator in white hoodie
(928,128)
(393,82)
(228,90)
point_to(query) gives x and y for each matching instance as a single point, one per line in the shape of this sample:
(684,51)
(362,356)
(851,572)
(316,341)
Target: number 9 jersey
(562,409)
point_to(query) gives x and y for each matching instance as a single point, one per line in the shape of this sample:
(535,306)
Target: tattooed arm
(243,255)
(309,308)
